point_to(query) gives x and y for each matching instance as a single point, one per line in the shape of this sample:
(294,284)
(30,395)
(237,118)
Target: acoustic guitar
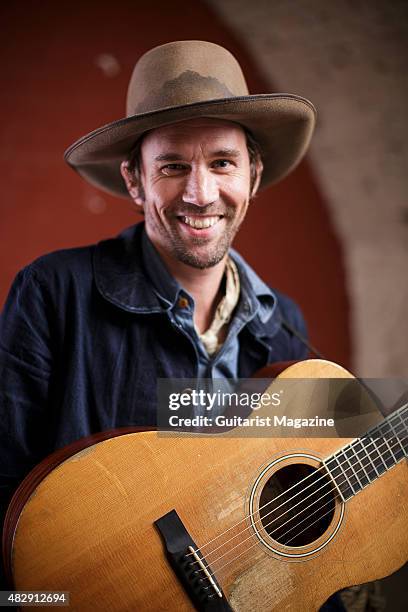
(140,521)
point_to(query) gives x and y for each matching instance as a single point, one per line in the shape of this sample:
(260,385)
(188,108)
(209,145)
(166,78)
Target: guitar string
(391,417)
(260,520)
(286,543)
(253,535)
(279,517)
(361,469)
(303,520)
(308,527)
(322,467)
(219,569)
(397,443)
(326,484)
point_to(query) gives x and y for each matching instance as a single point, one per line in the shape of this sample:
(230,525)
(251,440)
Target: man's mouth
(200,222)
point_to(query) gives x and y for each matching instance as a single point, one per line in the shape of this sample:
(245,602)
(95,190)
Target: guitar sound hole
(296,514)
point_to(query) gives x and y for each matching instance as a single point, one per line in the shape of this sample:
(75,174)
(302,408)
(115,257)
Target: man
(86,332)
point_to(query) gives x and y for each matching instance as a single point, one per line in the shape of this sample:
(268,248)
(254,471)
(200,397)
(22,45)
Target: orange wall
(54,92)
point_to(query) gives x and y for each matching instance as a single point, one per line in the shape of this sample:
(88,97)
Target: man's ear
(132,184)
(258,175)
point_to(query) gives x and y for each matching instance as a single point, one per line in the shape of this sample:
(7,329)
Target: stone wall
(350,59)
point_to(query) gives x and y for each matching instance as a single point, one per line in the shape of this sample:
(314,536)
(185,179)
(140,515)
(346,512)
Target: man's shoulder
(288,306)
(76,261)
(274,299)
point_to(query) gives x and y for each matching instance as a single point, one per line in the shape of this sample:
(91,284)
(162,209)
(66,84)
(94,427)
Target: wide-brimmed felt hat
(187,79)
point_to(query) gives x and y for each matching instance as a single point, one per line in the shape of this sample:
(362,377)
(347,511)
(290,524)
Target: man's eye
(221,163)
(173,168)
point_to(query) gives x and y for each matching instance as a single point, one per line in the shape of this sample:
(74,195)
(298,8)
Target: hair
(254,152)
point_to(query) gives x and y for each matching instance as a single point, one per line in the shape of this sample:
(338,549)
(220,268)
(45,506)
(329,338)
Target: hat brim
(282,124)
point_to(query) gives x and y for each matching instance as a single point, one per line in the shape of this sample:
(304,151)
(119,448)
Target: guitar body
(88,527)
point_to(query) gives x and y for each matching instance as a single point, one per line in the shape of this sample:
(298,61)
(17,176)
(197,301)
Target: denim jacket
(83,338)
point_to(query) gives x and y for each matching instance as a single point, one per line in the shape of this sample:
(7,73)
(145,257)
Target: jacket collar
(121,276)
(262,301)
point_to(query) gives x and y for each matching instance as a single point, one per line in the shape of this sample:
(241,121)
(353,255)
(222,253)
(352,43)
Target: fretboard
(359,463)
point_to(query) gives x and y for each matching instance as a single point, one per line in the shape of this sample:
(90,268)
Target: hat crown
(183,72)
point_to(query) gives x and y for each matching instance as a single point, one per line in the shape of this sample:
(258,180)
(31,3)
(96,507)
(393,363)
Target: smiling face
(194,187)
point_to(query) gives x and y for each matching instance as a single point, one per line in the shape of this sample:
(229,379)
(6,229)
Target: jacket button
(183,302)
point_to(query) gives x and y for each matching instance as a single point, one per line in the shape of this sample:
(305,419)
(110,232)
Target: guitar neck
(358,464)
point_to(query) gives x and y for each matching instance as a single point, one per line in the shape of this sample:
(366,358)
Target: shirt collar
(130,274)
(261,299)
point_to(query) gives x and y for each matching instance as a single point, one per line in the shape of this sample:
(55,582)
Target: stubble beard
(214,252)
(209,259)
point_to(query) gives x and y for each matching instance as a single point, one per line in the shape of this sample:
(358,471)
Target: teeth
(200,223)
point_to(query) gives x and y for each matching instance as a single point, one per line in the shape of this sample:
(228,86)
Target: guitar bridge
(190,567)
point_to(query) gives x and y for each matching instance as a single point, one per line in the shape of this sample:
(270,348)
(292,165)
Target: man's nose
(200,188)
